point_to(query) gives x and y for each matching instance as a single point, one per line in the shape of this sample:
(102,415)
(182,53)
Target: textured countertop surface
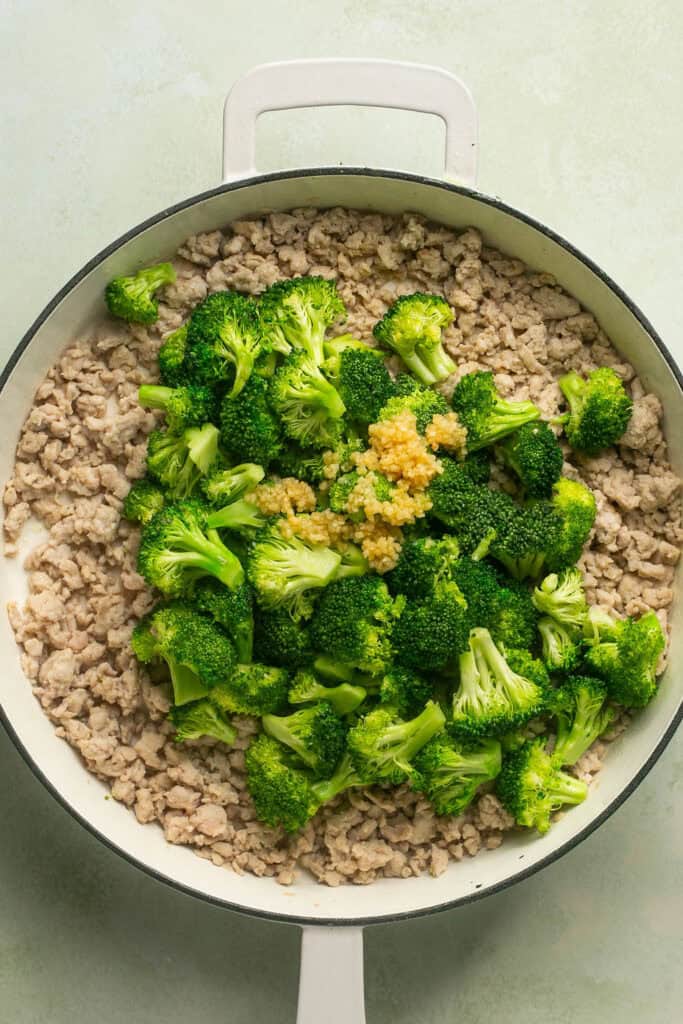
(113,111)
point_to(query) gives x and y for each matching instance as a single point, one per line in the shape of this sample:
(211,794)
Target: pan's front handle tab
(288,85)
(331,977)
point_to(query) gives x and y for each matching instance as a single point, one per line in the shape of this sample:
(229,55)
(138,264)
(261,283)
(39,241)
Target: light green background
(110,111)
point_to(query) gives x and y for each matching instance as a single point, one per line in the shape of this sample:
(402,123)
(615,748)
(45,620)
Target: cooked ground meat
(84,440)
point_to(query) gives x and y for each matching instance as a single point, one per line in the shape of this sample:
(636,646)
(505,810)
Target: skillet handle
(349,82)
(331,976)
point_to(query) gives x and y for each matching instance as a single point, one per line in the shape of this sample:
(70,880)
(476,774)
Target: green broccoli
(575,506)
(526,538)
(132,298)
(423,563)
(223,340)
(562,597)
(525,664)
(492,698)
(284,571)
(580,709)
(513,618)
(223,486)
(231,609)
(423,403)
(309,407)
(198,719)
(473,512)
(250,431)
(190,405)
(279,640)
(282,794)
(412,327)
(531,787)
(486,415)
(431,633)
(143,501)
(343,487)
(481,587)
(477,466)
(344,698)
(295,314)
(197,651)
(178,461)
(599,410)
(253,689)
(450,774)
(382,745)
(360,376)
(561,644)
(241,516)
(535,456)
(173,370)
(353,620)
(404,690)
(625,653)
(177,548)
(316,735)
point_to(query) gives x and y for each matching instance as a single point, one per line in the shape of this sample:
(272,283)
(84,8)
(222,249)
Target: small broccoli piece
(405,690)
(252,689)
(525,664)
(492,698)
(575,505)
(431,633)
(177,548)
(178,461)
(477,466)
(143,501)
(345,777)
(226,485)
(282,794)
(188,406)
(344,698)
(241,516)
(173,370)
(345,499)
(625,653)
(279,640)
(599,410)
(412,327)
(309,407)
(423,403)
(360,376)
(295,314)
(473,512)
(561,649)
(481,589)
(132,298)
(283,571)
(223,340)
(531,786)
(535,456)
(513,619)
(581,714)
(423,563)
(562,597)
(316,735)
(231,609)
(250,431)
(353,622)
(487,416)
(527,536)
(450,774)
(303,463)
(337,671)
(198,719)
(197,651)
(382,745)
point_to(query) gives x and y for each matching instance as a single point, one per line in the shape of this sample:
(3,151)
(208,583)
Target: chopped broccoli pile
(599,410)
(412,327)
(132,298)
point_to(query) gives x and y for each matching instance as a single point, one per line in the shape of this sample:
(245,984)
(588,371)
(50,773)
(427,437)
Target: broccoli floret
(492,698)
(241,516)
(423,403)
(223,340)
(535,456)
(513,618)
(575,506)
(450,773)
(345,777)
(295,314)
(580,709)
(173,371)
(431,633)
(279,640)
(252,689)
(282,794)
(285,571)
(405,690)
(382,745)
(353,622)
(625,653)
(345,499)
(473,512)
(226,485)
(562,597)
(302,463)
(250,431)
(344,698)
(132,298)
(198,719)
(177,548)
(360,376)
(412,327)
(481,588)
(487,416)
(526,537)
(477,466)
(188,406)
(143,501)
(525,664)
(337,671)
(316,735)
(531,786)
(309,407)
(561,647)
(599,410)
(231,609)
(197,651)
(178,461)
(423,563)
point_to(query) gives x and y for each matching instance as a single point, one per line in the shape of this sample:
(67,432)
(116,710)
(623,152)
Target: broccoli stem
(565,789)
(239,515)
(187,685)
(438,362)
(154,396)
(344,777)
(411,736)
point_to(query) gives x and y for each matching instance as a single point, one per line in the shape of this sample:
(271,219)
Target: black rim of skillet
(481,891)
